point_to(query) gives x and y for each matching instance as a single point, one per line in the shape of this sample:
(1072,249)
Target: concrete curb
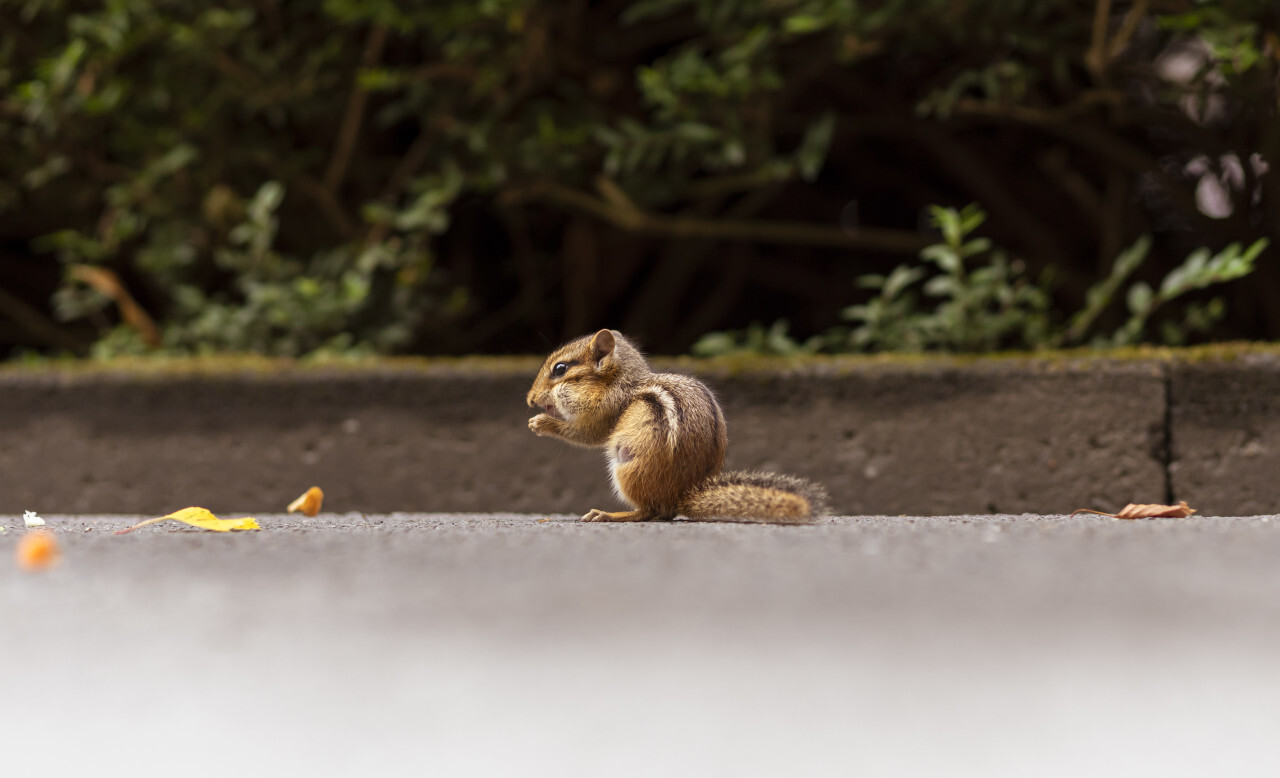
(887,436)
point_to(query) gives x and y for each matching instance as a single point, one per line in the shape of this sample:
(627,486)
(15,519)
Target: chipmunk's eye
(560,369)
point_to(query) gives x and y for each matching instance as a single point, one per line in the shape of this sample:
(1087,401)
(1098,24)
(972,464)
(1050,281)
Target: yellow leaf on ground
(309,503)
(1144,511)
(201,518)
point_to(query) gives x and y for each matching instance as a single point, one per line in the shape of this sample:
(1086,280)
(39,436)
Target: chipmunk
(664,436)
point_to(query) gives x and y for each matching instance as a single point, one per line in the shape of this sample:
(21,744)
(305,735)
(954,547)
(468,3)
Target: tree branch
(33,321)
(323,199)
(410,163)
(1127,28)
(1107,145)
(351,120)
(1096,57)
(1102,51)
(1026,114)
(780,232)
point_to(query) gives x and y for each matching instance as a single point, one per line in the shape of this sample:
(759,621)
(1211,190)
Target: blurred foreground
(500,645)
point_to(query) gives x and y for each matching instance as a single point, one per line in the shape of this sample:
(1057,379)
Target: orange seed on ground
(37,550)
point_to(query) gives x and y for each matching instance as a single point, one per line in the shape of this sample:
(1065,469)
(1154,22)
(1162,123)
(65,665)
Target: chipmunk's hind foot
(595,514)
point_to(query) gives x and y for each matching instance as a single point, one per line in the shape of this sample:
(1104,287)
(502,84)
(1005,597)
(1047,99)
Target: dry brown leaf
(309,503)
(1147,511)
(109,284)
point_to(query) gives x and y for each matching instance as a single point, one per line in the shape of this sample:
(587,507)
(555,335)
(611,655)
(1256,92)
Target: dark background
(462,177)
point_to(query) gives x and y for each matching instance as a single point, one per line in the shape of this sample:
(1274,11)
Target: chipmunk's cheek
(557,409)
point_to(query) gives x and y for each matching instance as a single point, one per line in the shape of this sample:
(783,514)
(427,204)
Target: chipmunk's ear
(602,345)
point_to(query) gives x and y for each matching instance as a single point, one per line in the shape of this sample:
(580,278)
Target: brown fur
(664,435)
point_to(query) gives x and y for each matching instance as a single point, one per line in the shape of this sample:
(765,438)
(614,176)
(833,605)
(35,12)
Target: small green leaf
(975,247)
(901,277)
(801,25)
(1139,298)
(943,256)
(812,152)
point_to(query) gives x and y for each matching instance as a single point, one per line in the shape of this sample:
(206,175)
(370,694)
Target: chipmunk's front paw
(542,424)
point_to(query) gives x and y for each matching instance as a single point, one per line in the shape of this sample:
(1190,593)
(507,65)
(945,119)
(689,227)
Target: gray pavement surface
(501,645)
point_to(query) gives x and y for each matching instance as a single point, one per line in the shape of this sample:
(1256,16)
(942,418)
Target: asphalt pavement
(508,645)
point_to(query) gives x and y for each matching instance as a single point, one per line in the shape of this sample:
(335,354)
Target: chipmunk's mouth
(553,411)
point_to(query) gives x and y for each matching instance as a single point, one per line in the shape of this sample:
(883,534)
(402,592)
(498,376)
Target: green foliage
(279,304)
(183,123)
(188,125)
(1234,42)
(756,339)
(980,307)
(341,175)
(975,299)
(1201,270)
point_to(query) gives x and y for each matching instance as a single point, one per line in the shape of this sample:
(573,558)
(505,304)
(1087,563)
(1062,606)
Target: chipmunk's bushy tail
(762,497)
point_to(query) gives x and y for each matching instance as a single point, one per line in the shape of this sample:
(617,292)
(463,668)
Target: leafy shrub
(449,176)
(983,301)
